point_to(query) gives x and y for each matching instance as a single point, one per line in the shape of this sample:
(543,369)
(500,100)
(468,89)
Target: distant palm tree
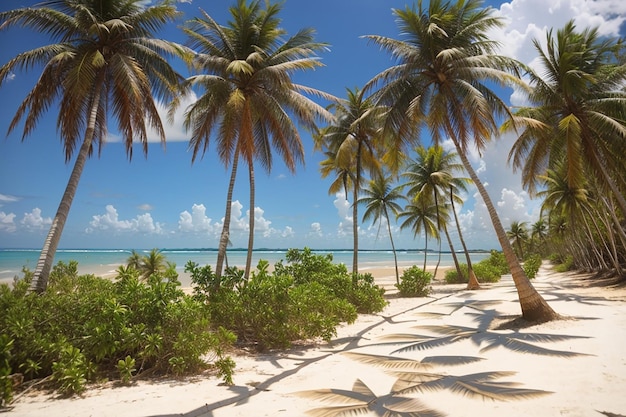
(539,232)
(379,200)
(442,79)
(421,215)
(433,170)
(153,263)
(518,236)
(106,62)
(249,97)
(576,114)
(134,260)
(354,140)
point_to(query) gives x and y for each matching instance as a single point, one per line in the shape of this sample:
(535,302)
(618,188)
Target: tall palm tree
(442,80)
(518,235)
(249,99)
(421,215)
(576,113)
(354,140)
(106,61)
(379,200)
(539,232)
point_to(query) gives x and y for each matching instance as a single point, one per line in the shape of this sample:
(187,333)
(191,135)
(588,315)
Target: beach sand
(570,367)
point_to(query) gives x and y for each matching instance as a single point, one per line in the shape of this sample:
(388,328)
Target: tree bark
(224,237)
(251,232)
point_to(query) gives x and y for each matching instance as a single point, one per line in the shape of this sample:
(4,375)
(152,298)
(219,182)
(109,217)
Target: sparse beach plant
(126,368)
(415,282)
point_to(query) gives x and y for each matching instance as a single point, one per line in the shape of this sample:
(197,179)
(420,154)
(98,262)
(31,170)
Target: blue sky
(164,201)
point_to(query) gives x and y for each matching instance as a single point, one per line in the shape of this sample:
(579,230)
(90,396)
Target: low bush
(531,265)
(488,270)
(415,282)
(305,298)
(566,264)
(82,328)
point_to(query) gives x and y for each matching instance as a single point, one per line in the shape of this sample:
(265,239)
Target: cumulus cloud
(34,220)
(110,221)
(196,221)
(7,222)
(315,230)
(175,131)
(343,207)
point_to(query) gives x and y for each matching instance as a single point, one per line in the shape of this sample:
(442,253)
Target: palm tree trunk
(393,247)
(251,232)
(454,257)
(438,230)
(534,307)
(355,213)
(44,264)
(472,282)
(221,252)
(425,246)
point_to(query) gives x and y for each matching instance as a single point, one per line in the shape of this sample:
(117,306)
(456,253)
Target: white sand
(272,384)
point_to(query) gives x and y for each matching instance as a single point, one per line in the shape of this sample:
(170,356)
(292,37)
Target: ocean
(105,261)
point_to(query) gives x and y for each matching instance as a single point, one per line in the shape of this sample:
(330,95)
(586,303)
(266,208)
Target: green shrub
(81,327)
(488,270)
(304,299)
(6,384)
(414,282)
(566,265)
(532,265)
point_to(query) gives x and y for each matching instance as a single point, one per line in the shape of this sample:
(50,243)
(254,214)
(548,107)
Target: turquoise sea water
(106,261)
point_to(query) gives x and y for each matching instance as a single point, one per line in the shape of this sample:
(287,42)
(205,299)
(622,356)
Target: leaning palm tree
(576,113)
(380,200)
(106,61)
(354,140)
(442,80)
(249,99)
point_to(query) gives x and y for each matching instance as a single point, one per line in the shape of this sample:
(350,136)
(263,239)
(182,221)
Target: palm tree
(421,215)
(153,263)
(134,260)
(354,141)
(379,200)
(577,113)
(249,98)
(433,171)
(539,231)
(518,236)
(106,62)
(442,80)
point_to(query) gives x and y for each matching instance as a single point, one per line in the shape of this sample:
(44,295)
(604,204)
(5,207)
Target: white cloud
(343,207)
(5,198)
(7,222)
(111,221)
(174,132)
(33,220)
(315,230)
(145,207)
(196,221)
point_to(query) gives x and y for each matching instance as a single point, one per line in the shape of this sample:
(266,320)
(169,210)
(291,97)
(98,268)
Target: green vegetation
(487,270)
(303,299)
(86,328)
(415,282)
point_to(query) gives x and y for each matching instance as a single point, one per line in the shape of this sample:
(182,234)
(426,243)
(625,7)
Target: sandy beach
(439,355)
